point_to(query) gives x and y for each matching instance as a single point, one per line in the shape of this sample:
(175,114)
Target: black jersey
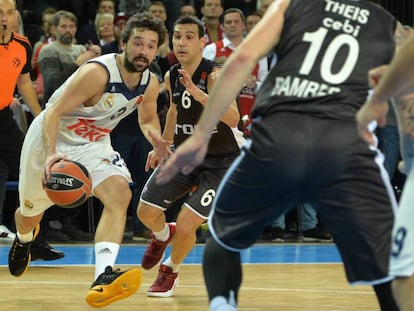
(189,110)
(323,62)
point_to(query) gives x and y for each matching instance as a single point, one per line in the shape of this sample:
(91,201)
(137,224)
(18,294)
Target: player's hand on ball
(50,160)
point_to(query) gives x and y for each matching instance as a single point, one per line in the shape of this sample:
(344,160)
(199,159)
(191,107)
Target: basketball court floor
(283,276)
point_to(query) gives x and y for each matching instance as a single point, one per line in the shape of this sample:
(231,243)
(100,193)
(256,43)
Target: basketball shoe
(19,255)
(6,234)
(155,250)
(112,286)
(165,283)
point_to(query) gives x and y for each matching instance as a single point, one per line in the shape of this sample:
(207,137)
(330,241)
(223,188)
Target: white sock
(220,303)
(26,237)
(168,262)
(105,255)
(163,235)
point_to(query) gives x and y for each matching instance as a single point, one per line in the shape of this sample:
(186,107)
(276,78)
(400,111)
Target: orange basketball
(69,184)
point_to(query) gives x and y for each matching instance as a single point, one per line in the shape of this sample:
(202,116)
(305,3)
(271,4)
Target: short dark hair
(61,14)
(146,21)
(203,2)
(253,13)
(188,19)
(233,10)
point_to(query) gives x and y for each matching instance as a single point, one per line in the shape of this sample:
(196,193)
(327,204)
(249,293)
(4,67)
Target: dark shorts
(199,186)
(297,159)
(11,141)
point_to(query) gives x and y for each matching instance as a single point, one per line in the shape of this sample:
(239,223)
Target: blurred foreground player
(398,82)
(304,145)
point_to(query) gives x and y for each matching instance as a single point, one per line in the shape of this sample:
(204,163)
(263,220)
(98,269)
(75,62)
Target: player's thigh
(402,259)
(250,196)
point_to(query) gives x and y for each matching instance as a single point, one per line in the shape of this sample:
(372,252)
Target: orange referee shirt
(14,60)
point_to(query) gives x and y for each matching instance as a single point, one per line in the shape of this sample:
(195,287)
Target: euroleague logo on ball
(69,184)
(56,181)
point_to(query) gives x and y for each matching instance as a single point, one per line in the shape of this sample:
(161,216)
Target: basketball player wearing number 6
(76,124)
(304,144)
(188,84)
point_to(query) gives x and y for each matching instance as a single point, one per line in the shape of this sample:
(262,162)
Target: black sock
(222,270)
(385,297)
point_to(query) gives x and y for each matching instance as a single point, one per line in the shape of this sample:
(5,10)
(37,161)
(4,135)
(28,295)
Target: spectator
(187,9)
(252,19)
(234,26)
(130,7)
(87,34)
(60,58)
(211,11)
(114,46)
(158,9)
(104,23)
(49,35)
(263,5)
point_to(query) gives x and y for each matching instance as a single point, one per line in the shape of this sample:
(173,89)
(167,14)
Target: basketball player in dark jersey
(188,84)
(304,144)
(397,82)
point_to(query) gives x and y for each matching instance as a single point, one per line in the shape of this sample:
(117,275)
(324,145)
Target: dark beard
(66,39)
(131,67)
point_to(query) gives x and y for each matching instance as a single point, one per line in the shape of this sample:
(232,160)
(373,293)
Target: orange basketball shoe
(112,286)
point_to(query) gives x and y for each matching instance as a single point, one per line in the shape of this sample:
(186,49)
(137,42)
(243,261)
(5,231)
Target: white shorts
(402,255)
(99,159)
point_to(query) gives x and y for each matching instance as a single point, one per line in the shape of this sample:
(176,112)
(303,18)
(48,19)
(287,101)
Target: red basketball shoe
(156,249)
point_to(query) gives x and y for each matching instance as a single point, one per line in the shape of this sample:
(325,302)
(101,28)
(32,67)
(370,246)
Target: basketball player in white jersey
(76,124)
(398,82)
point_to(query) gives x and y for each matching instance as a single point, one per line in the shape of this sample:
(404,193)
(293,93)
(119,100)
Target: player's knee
(117,192)
(147,212)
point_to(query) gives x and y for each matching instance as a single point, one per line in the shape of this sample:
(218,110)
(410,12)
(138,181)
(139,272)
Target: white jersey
(402,260)
(93,124)
(83,136)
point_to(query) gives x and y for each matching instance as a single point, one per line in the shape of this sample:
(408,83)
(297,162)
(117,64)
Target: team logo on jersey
(28,204)
(17,62)
(109,102)
(139,99)
(203,78)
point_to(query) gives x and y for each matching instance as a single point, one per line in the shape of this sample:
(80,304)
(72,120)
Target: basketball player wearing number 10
(304,144)
(76,124)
